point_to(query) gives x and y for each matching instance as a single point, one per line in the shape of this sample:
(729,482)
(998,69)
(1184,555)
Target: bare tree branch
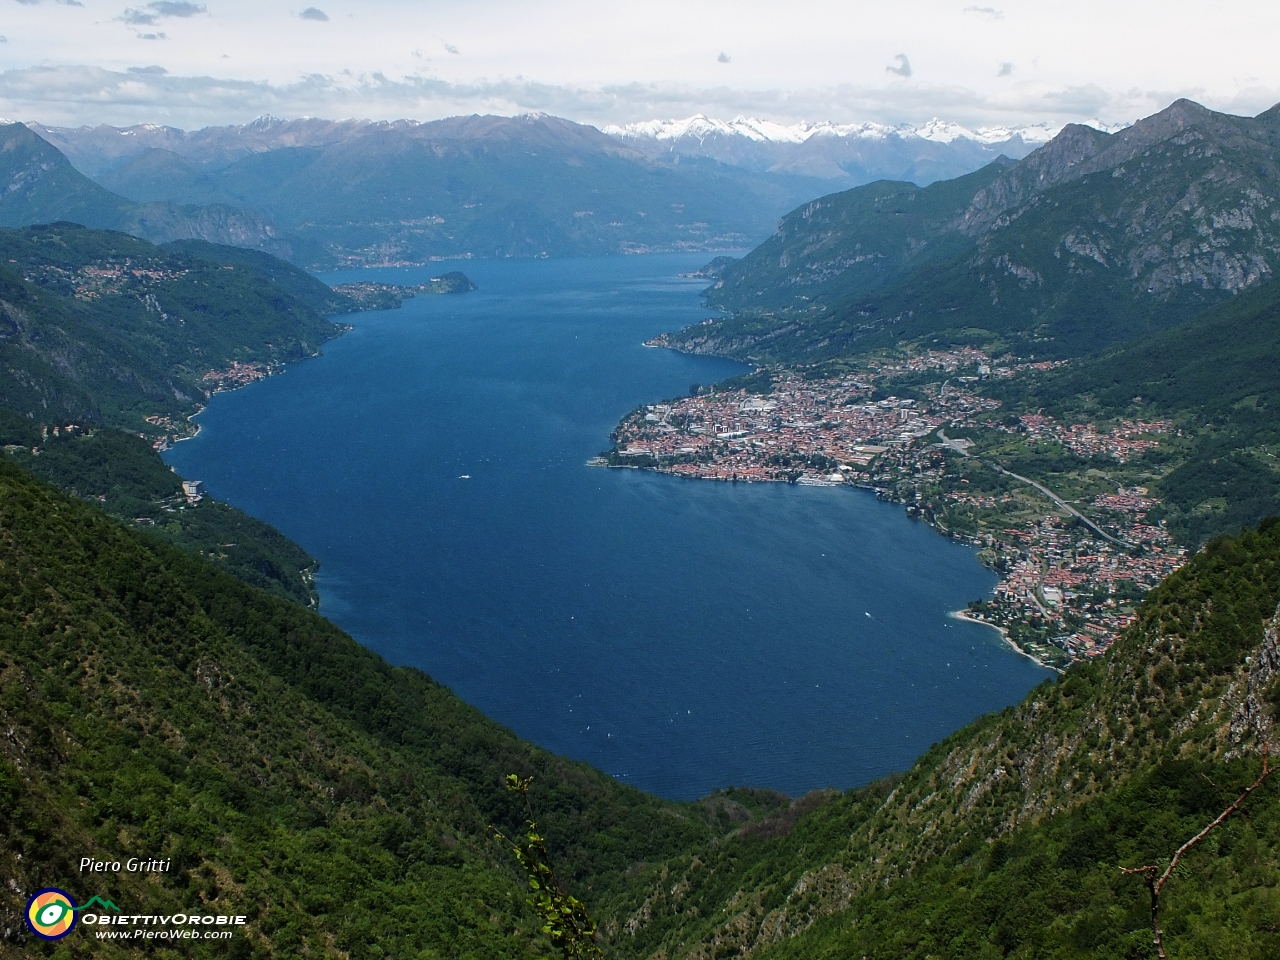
(1156,883)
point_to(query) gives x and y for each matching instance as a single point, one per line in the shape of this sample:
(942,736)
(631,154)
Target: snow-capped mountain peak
(701,127)
(840,153)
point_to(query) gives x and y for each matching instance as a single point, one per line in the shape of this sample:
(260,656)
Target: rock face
(1092,238)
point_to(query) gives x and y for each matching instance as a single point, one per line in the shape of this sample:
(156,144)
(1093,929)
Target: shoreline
(272,369)
(932,523)
(602,461)
(1004,635)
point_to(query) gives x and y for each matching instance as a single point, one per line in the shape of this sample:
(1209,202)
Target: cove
(680,635)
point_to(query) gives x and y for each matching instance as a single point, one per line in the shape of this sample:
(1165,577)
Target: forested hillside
(101,327)
(155,707)
(105,337)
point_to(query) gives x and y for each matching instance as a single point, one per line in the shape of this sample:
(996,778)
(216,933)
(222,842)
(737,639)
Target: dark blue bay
(682,635)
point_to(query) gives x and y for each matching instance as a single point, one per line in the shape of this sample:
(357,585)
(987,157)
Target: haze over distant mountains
(844,154)
(353,192)
(41,186)
(329,193)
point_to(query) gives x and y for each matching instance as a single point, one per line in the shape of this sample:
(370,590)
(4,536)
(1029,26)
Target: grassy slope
(157,707)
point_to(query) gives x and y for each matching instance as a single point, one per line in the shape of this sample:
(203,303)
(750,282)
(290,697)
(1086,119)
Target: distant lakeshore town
(165,431)
(1073,562)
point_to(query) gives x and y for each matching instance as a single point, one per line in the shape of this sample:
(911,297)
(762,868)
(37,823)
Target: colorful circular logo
(51,914)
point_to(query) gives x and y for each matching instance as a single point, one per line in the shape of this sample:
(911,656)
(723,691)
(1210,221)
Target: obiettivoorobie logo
(51,913)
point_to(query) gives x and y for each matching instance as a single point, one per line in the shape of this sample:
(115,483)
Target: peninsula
(1071,570)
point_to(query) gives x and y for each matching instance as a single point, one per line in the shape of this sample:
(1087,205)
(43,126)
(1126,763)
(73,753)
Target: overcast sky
(987,63)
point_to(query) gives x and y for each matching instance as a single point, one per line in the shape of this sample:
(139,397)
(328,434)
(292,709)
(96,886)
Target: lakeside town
(1071,571)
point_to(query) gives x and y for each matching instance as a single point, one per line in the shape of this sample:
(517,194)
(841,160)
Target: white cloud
(314,13)
(159,9)
(614,63)
(723,58)
(73,95)
(903,69)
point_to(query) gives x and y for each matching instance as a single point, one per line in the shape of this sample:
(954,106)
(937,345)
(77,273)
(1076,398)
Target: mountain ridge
(846,154)
(44,187)
(1091,239)
(356,193)
(695,184)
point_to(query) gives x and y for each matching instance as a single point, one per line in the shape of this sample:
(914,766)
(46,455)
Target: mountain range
(42,186)
(350,193)
(155,704)
(843,154)
(356,192)
(1090,239)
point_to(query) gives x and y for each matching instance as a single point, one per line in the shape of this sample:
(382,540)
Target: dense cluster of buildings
(1065,592)
(806,431)
(236,375)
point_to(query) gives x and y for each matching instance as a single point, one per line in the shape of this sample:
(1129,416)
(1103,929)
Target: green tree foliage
(101,327)
(564,917)
(1218,377)
(156,706)
(120,473)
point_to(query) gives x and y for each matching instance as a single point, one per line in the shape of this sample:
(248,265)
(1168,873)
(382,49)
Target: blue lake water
(682,635)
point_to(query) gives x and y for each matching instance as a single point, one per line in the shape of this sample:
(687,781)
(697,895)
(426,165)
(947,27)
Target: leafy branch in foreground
(1151,872)
(564,918)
